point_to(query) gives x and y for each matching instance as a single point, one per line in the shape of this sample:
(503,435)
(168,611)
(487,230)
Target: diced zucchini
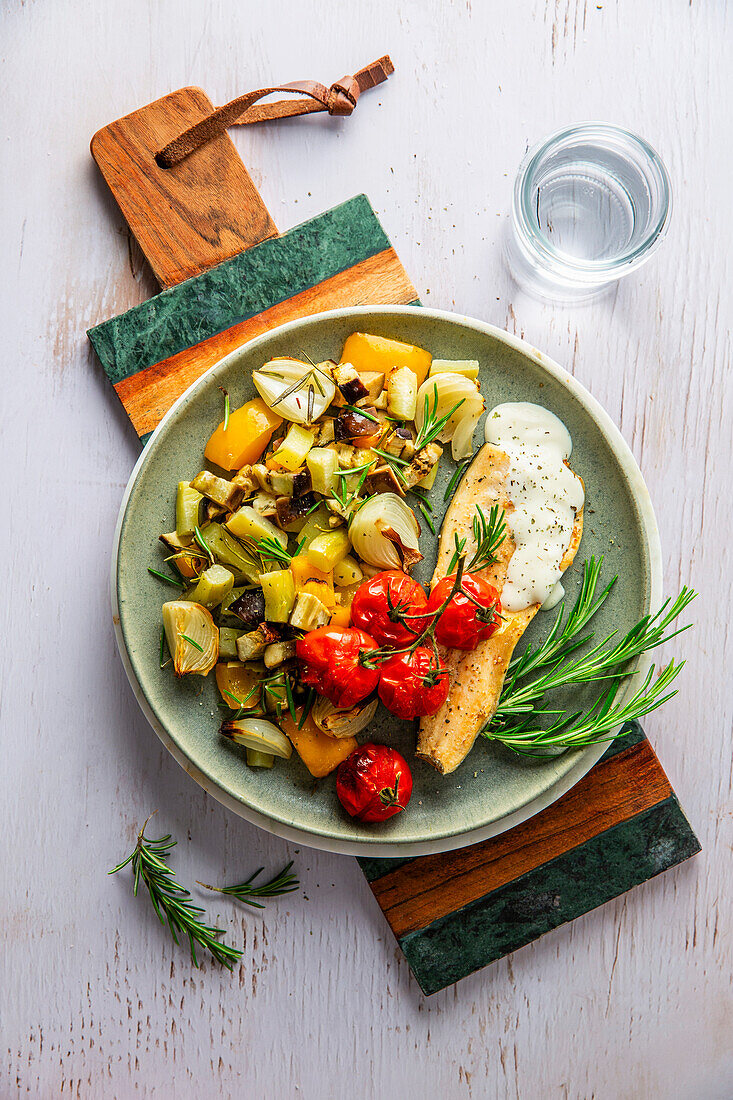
(402,393)
(222,492)
(316,524)
(278,652)
(229,552)
(257,759)
(309,612)
(467,367)
(228,643)
(248,524)
(322,462)
(214,585)
(327,549)
(347,572)
(279,590)
(292,451)
(187,510)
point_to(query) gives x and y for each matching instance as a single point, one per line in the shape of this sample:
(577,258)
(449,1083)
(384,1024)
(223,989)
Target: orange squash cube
(248,433)
(377,353)
(319,752)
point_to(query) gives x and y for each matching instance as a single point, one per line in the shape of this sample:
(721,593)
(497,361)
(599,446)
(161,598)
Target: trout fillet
(477,677)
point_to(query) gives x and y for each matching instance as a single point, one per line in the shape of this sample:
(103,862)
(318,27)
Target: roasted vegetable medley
(294,542)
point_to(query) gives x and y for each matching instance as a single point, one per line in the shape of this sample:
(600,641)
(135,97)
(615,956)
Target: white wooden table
(634,1000)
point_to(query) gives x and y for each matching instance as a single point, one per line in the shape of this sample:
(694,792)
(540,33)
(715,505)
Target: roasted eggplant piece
(354,425)
(350,384)
(249,607)
(323,432)
(252,646)
(291,509)
(217,489)
(384,480)
(421,464)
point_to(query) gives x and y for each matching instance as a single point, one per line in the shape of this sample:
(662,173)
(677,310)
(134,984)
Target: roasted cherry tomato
(472,615)
(381,603)
(330,662)
(412,685)
(374,783)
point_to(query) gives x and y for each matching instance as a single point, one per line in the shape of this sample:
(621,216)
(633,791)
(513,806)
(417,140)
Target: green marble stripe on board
(561,890)
(238,289)
(631,734)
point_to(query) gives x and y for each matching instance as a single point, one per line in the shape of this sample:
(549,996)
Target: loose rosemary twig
(248,892)
(171,901)
(551,666)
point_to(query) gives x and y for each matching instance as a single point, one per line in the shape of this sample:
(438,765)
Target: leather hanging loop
(340,99)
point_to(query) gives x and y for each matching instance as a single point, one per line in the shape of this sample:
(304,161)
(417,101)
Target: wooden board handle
(188,218)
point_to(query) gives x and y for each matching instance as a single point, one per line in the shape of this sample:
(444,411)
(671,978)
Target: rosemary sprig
(171,901)
(282,883)
(564,639)
(488,534)
(166,578)
(193,642)
(606,660)
(551,666)
(576,731)
(433,425)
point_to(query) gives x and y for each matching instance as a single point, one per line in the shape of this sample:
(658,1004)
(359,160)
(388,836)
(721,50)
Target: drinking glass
(590,204)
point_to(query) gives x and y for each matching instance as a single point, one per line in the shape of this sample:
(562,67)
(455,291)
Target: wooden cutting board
(227,276)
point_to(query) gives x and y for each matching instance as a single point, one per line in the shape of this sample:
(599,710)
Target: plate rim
(380,847)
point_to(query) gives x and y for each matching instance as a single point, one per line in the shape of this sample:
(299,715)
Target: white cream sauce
(546,496)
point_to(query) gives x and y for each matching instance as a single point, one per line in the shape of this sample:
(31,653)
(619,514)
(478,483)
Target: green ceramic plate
(493,789)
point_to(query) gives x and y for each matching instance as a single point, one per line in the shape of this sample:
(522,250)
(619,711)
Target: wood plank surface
(630,1002)
(212,208)
(617,789)
(147,395)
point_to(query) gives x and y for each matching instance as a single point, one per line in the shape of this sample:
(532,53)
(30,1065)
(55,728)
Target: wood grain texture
(147,395)
(631,1002)
(187,218)
(615,790)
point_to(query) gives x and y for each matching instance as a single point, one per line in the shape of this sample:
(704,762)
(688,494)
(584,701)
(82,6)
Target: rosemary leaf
(166,578)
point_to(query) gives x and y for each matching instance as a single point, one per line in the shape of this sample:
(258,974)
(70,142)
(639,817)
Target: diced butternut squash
(340,616)
(235,681)
(247,435)
(378,354)
(319,752)
(308,578)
